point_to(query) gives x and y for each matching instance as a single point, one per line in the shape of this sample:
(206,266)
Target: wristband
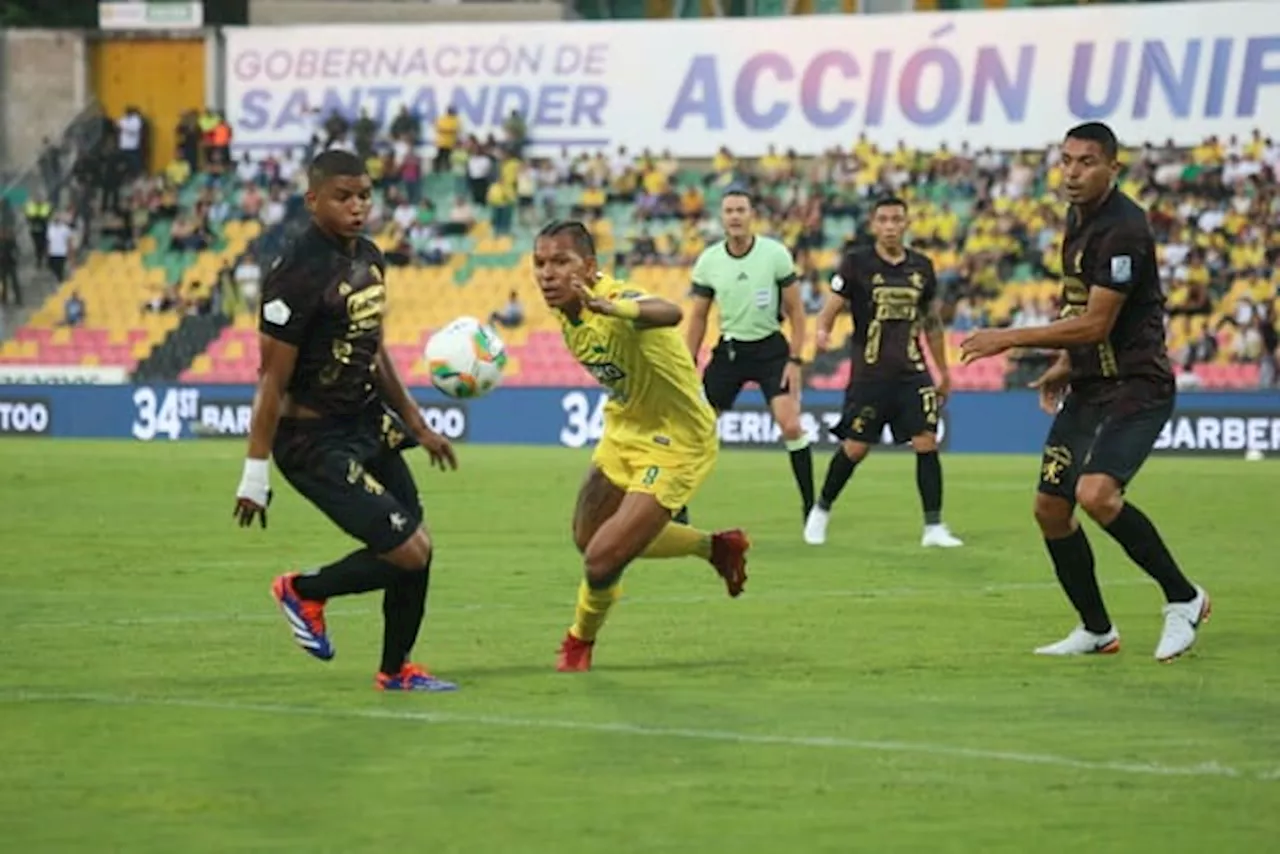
(626,309)
(796,360)
(254,484)
(256,469)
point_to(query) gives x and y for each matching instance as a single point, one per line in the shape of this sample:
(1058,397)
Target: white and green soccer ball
(466,358)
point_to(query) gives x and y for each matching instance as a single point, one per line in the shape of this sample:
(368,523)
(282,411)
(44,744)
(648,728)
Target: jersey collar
(750,246)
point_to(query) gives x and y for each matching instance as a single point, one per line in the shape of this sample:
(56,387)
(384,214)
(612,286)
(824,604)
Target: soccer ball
(466,358)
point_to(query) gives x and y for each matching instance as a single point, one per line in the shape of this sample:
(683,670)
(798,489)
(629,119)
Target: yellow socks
(679,541)
(593,605)
(593,608)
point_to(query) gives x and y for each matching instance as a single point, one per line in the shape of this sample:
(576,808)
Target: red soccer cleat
(729,557)
(575,655)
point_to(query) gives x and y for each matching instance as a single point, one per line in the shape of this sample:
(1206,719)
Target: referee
(753,280)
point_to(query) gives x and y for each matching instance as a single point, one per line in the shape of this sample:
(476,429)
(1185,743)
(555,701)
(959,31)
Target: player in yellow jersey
(659,439)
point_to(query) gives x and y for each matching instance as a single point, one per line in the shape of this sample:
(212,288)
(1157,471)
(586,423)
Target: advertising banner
(61,375)
(1006,79)
(976,422)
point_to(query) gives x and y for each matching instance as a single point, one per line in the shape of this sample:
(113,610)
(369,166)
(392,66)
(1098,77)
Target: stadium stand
(170,292)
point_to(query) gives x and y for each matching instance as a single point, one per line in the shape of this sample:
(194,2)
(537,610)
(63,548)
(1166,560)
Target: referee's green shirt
(748,287)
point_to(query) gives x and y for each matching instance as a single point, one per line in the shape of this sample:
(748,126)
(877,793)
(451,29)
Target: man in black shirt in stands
(332,410)
(1111,391)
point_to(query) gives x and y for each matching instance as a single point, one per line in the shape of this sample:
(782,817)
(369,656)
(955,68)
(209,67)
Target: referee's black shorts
(1087,438)
(351,469)
(736,363)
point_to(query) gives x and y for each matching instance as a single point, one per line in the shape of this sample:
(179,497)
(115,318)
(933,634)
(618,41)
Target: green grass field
(867,696)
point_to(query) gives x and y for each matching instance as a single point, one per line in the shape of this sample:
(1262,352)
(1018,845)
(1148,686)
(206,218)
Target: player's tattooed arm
(935,334)
(396,395)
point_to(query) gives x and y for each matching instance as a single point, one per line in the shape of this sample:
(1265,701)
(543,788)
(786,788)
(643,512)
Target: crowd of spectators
(986,217)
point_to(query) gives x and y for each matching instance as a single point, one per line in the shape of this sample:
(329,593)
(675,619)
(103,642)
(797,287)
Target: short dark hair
(583,243)
(332,164)
(739,191)
(889,202)
(1100,133)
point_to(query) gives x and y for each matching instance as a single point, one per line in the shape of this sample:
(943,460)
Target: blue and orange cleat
(412,677)
(305,617)
(575,655)
(729,557)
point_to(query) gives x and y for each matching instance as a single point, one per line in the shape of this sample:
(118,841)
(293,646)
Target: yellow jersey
(655,396)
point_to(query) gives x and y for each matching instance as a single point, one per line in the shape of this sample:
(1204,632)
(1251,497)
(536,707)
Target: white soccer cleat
(1181,619)
(939,536)
(1081,641)
(815,527)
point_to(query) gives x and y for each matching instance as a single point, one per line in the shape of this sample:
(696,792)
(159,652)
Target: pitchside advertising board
(979,422)
(1006,79)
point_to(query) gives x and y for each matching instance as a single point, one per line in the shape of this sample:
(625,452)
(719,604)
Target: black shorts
(352,470)
(909,406)
(1089,439)
(736,363)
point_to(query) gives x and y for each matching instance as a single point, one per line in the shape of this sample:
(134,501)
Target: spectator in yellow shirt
(178,171)
(448,129)
(501,201)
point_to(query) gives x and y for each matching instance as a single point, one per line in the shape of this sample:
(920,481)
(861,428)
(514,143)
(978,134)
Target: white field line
(269,613)
(1204,769)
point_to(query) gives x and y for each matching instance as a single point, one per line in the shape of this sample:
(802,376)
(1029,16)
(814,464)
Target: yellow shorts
(640,466)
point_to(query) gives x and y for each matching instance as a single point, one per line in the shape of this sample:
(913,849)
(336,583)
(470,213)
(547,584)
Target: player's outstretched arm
(1093,326)
(274,372)
(696,331)
(396,394)
(653,312)
(643,310)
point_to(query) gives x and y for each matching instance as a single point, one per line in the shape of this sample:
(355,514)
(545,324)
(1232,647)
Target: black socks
(358,572)
(1141,541)
(929,483)
(1073,562)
